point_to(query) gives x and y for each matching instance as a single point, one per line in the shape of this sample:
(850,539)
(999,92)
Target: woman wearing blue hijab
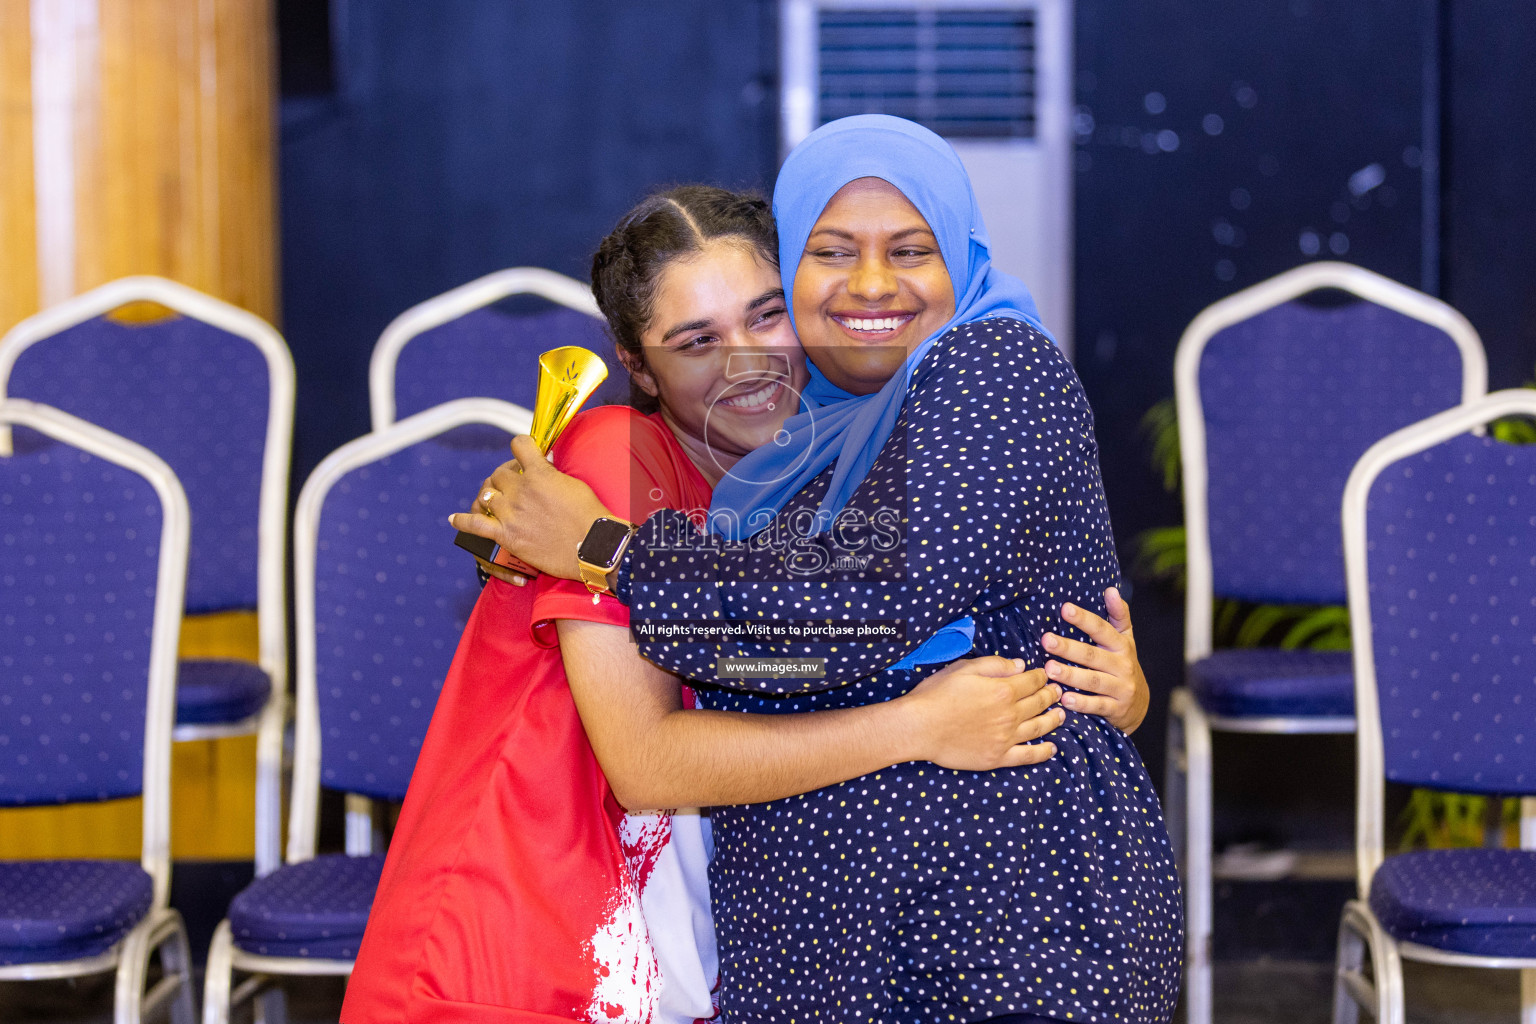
(942,477)
(838,425)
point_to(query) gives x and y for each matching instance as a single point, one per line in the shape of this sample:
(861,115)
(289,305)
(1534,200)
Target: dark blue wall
(1490,179)
(1274,107)
(459,137)
(1307,94)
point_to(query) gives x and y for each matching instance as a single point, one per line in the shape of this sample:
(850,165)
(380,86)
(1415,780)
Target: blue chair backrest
(79,563)
(1451,541)
(490,353)
(193,394)
(392,595)
(1292,398)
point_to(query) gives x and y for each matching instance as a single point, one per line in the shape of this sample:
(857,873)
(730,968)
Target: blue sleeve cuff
(952,641)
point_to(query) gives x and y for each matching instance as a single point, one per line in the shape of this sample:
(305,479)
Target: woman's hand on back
(1107,669)
(539,516)
(983,713)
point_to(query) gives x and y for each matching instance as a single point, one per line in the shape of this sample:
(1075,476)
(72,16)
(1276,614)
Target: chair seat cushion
(53,910)
(1481,902)
(1268,682)
(211,691)
(316,908)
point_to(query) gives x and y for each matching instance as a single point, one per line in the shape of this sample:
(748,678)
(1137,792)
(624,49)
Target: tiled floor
(1256,992)
(1291,992)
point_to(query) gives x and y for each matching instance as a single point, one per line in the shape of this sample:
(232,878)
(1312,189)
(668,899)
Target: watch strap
(599,579)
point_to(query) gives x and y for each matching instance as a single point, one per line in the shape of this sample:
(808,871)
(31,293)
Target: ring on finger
(486,497)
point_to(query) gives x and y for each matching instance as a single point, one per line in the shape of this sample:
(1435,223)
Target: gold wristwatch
(601,552)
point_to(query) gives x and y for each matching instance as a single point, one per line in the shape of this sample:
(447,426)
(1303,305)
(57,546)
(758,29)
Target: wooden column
(136,137)
(18,236)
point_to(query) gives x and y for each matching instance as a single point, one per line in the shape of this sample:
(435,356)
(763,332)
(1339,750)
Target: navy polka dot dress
(919,893)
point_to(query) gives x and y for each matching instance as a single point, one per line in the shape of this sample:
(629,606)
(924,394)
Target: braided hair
(667,226)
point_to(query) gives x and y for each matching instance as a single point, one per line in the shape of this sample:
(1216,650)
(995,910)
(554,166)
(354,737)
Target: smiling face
(871,287)
(720,355)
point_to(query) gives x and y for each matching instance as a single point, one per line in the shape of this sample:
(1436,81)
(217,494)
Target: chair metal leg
(272,1006)
(269,786)
(1175,791)
(162,930)
(1528,977)
(218,975)
(1198,886)
(1388,967)
(360,828)
(132,968)
(1382,994)
(1351,990)
(221,995)
(176,959)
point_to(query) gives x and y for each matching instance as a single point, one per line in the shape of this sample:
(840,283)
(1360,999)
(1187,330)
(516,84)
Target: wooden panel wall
(172,131)
(18,239)
(170,136)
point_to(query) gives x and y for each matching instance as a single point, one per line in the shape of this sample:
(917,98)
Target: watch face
(601,545)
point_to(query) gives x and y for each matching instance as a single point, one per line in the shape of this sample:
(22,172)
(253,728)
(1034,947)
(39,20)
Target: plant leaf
(1319,629)
(1161,554)
(1513,430)
(1261,621)
(1161,425)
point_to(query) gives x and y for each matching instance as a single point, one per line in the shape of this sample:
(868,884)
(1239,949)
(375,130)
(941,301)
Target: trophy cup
(567,378)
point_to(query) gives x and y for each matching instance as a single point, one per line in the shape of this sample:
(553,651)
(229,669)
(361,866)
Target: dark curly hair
(666,226)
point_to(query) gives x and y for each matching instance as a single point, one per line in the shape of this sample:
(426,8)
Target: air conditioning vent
(963,73)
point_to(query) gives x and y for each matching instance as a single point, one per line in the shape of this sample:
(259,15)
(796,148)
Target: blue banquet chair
(94,530)
(210,390)
(1440,552)
(381,597)
(461,345)
(1277,398)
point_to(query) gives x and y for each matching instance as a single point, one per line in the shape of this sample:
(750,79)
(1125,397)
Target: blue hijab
(834,426)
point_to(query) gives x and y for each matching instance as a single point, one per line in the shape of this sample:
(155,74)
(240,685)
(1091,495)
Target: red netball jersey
(507,895)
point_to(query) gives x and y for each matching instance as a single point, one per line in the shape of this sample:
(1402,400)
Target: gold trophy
(567,378)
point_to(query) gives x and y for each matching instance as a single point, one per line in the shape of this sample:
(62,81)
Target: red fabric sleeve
(627,459)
